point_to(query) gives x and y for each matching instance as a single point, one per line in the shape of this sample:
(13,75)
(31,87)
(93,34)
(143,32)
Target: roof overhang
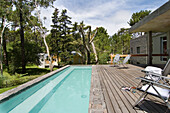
(158,21)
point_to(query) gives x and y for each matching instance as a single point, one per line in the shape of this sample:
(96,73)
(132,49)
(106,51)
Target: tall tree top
(136,17)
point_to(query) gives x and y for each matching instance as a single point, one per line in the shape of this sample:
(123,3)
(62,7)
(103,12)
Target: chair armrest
(155,74)
(153,82)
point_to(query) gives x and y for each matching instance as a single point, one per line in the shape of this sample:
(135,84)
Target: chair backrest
(126,59)
(116,59)
(154,70)
(166,69)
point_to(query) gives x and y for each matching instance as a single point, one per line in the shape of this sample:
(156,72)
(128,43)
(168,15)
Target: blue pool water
(65,92)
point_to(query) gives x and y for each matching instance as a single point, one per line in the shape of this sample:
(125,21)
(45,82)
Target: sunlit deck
(106,94)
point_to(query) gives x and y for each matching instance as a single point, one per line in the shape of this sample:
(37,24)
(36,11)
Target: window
(138,50)
(163,48)
(131,50)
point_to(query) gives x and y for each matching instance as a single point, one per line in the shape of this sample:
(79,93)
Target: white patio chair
(155,83)
(126,60)
(149,70)
(116,59)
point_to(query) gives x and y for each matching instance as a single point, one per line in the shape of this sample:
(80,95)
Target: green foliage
(1,81)
(102,44)
(120,42)
(104,57)
(10,81)
(136,17)
(60,39)
(31,52)
(6,9)
(102,40)
(78,41)
(6,89)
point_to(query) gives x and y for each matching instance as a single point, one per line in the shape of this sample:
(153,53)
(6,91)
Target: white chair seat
(165,93)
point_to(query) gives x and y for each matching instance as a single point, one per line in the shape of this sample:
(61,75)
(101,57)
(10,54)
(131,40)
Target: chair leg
(139,84)
(143,96)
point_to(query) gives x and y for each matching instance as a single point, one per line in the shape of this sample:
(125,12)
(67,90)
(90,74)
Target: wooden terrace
(106,95)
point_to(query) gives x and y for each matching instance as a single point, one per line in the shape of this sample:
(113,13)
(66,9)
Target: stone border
(12,92)
(96,102)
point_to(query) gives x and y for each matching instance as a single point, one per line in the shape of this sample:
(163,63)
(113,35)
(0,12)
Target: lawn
(11,81)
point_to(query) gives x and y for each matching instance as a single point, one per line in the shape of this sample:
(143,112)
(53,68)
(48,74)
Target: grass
(6,89)
(11,81)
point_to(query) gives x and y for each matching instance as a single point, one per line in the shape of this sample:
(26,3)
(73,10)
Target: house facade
(160,44)
(154,46)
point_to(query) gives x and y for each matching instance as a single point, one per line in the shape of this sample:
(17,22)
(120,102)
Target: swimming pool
(65,92)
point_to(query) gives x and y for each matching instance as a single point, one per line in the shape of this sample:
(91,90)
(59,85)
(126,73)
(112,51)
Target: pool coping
(96,100)
(6,95)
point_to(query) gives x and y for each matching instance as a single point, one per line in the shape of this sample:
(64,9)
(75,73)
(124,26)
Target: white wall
(157,48)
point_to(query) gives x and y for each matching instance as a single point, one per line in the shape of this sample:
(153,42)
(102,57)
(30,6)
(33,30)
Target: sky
(110,14)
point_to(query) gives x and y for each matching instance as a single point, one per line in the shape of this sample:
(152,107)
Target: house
(44,60)
(154,46)
(77,58)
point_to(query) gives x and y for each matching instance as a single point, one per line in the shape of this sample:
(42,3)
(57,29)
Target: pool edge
(6,95)
(96,99)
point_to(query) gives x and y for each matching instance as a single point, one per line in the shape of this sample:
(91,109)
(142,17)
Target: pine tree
(55,40)
(65,36)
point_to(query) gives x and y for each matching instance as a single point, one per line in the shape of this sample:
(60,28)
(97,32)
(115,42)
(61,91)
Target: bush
(103,58)
(1,82)
(31,55)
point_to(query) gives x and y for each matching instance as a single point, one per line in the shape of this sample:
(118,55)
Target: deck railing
(135,55)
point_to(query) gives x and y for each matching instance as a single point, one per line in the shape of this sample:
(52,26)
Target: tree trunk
(2,34)
(93,46)
(58,55)
(85,46)
(58,60)
(22,40)
(95,53)
(43,36)
(84,57)
(88,45)
(5,53)
(48,52)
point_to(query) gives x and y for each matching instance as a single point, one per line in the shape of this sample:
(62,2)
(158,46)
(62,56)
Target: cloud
(110,14)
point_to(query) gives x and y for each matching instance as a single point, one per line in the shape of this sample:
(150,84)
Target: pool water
(65,92)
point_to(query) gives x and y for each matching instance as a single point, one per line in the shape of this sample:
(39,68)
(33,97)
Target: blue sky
(110,14)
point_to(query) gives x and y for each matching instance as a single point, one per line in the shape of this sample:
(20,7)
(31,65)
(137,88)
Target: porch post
(168,44)
(149,48)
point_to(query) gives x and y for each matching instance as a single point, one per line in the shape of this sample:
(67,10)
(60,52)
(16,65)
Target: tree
(125,37)
(5,10)
(65,36)
(102,44)
(55,40)
(93,46)
(136,17)
(85,43)
(24,9)
(78,42)
(31,55)
(120,42)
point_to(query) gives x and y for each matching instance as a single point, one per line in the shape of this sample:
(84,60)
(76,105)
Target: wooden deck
(120,101)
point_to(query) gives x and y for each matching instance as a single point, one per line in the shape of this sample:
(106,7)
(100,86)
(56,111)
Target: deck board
(119,101)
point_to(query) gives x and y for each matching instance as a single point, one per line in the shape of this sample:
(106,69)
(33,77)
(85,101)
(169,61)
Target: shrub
(1,82)
(31,55)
